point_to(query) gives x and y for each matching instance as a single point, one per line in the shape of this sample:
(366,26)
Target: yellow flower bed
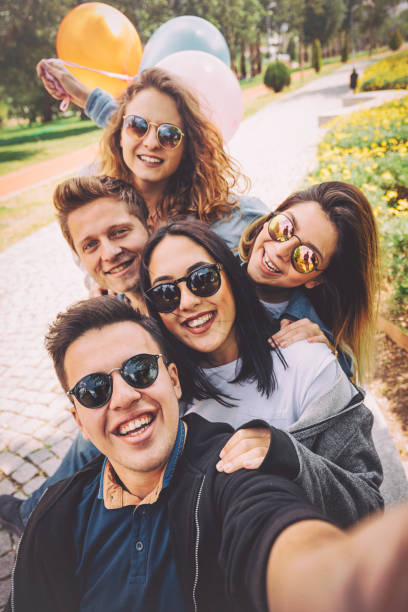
(389,73)
(369,148)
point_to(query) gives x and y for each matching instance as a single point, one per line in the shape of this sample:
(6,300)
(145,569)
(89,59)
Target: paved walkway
(276,148)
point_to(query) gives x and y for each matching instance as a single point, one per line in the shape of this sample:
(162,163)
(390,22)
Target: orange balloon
(99,36)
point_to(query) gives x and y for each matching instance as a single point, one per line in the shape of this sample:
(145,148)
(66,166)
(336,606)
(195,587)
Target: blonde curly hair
(206,176)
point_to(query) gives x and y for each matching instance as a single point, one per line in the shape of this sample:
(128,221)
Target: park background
(39,145)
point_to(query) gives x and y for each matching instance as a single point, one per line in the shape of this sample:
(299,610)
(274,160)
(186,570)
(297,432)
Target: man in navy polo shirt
(151,525)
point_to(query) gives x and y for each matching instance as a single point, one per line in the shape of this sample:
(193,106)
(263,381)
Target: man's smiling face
(108,241)
(136,429)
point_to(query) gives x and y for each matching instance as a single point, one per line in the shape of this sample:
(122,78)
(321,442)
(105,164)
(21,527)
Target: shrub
(316,55)
(389,73)
(277,76)
(291,50)
(345,50)
(396,40)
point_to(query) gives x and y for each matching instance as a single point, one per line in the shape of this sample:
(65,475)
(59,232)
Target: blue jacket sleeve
(100,107)
(231,227)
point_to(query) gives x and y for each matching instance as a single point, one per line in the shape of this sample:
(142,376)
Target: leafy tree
(371,19)
(293,12)
(27,33)
(323,21)
(396,40)
(291,50)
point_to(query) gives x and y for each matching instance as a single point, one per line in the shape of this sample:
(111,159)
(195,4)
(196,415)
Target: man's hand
(245,449)
(63,83)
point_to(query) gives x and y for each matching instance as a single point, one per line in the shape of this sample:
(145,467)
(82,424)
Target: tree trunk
(253,59)
(47,109)
(301,55)
(258,56)
(371,30)
(243,63)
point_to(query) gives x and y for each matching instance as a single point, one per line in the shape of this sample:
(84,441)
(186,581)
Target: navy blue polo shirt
(124,557)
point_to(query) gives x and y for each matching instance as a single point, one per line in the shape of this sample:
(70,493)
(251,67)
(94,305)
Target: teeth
(151,160)
(269,264)
(120,267)
(136,425)
(199,321)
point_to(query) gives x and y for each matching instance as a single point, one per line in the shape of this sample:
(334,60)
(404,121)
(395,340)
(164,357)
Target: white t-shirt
(311,373)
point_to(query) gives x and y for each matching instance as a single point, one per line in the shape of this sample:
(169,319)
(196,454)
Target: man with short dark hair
(154,526)
(104,221)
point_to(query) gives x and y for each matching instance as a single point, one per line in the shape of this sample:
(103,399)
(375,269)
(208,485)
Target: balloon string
(113,75)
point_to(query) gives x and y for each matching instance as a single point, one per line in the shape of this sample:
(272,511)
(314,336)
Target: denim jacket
(300,307)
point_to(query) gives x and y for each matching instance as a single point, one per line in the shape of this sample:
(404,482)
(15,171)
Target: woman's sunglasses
(95,390)
(168,136)
(303,258)
(203,282)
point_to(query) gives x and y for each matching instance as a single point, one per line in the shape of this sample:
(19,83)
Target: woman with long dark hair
(316,256)
(207,307)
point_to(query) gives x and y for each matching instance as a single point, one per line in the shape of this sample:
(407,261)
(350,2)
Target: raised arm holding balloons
(194,93)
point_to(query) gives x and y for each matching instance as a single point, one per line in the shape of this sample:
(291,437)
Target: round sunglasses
(203,282)
(303,258)
(169,136)
(95,390)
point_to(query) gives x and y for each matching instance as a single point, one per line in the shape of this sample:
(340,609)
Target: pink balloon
(215,84)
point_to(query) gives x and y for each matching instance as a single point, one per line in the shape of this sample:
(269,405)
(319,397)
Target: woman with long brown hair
(316,256)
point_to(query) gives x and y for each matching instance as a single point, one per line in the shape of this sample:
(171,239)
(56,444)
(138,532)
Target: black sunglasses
(204,281)
(303,258)
(95,390)
(169,136)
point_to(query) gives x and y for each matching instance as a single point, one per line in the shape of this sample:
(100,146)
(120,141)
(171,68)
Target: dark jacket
(222,529)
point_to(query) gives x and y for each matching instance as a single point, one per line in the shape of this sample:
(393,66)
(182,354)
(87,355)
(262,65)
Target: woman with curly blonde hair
(158,139)
(201,179)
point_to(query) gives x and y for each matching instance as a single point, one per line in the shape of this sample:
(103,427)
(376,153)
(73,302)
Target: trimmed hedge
(277,76)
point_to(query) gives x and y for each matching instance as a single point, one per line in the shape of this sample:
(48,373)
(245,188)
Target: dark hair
(94,313)
(253,325)
(80,190)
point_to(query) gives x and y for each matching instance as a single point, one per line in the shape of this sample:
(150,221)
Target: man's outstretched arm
(315,566)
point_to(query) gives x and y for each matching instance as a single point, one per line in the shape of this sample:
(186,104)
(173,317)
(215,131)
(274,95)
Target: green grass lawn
(23,145)
(27,212)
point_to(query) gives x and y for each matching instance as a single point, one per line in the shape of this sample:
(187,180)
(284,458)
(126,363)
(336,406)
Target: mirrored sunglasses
(303,258)
(168,136)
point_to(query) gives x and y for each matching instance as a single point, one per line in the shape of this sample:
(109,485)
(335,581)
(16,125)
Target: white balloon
(215,85)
